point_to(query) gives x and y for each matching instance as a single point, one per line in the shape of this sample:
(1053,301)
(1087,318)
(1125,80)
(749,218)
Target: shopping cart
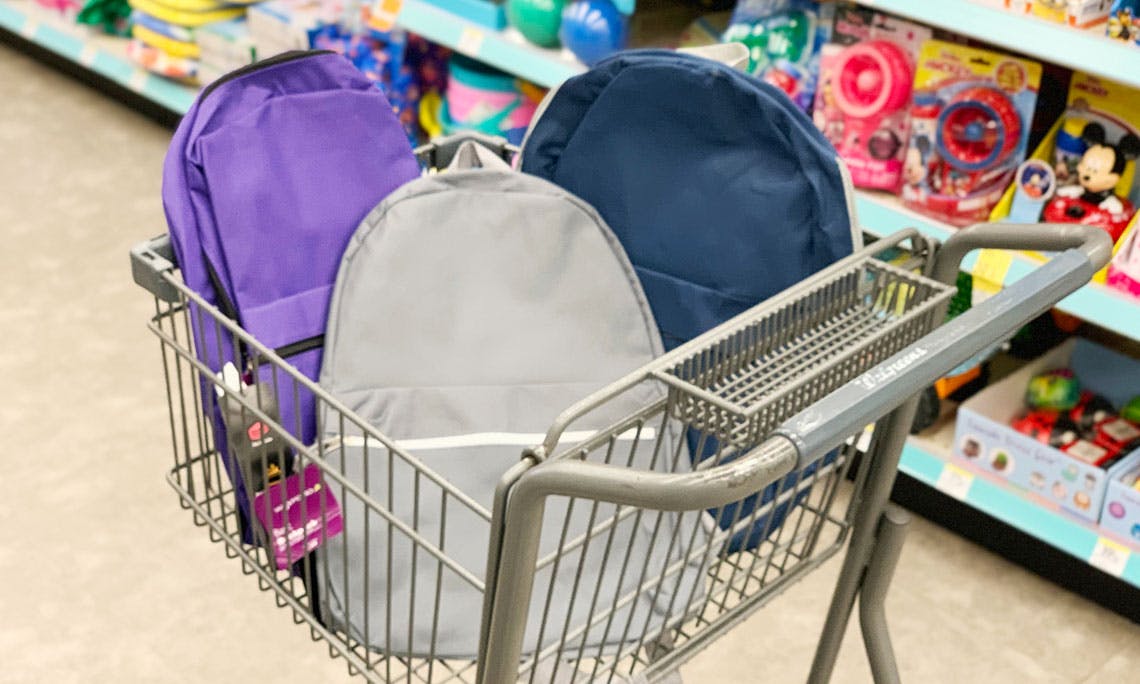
(781,398)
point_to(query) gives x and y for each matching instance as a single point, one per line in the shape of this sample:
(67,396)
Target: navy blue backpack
(722,192)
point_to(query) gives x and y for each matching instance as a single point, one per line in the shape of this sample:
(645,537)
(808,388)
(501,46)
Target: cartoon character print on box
(863,101)
(784,39)
(1092,199)
(1124,21)
(969,130)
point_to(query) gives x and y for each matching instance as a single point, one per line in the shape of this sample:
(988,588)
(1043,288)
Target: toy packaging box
(1078,13)
(784,39)
(1124,21)
(1047,186)
(986,441)
(969,130)
(1121,512)
(225,46)
(862,104)
(278,26)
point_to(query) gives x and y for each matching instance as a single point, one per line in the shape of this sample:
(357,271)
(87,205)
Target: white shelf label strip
(1109,556)
(470,41)
(137,81)
(955,481)
(88,54)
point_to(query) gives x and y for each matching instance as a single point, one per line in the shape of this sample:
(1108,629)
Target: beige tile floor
(104,579)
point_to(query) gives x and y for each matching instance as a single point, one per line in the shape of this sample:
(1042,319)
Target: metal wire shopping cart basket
(764,413)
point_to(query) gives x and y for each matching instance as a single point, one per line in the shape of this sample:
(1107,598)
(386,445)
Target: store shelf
(506,50)
(103,55)
(1078,539)
(883,214)
(1084,49)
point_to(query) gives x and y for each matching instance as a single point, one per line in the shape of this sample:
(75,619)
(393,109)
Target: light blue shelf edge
(544,67)
(1051,527)
(172,96)
(1082,49)
(1095,303)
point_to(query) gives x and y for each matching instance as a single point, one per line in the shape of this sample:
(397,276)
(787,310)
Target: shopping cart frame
(890,389)
(875,530)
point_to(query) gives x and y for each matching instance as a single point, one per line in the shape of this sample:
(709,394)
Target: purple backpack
(266,179)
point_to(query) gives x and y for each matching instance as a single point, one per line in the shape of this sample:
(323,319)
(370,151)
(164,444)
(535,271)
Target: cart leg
(873,595)
(864,528)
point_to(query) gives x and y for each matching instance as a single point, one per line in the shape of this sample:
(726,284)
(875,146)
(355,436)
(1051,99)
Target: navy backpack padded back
(722,192)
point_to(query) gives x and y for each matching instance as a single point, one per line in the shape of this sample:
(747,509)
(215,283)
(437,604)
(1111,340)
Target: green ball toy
(537,20)
(1131,410)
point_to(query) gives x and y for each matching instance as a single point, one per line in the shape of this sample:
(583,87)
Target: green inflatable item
(113,16)
(785,36)
(537,20)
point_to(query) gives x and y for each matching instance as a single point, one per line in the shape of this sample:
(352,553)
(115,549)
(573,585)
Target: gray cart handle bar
(862,401)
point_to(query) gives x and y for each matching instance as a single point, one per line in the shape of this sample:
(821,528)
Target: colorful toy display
(1093,198)
(593,30)
(969,129)
(1057,390)
(863,101)
(537,20)
(1048,427)
(1082,424)
(484,99)
(1124,21)
(1131,410)
(784,39)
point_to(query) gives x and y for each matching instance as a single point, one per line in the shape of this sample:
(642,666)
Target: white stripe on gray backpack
(470,309)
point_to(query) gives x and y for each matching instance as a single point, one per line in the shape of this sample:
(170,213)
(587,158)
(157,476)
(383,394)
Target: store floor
(104,578)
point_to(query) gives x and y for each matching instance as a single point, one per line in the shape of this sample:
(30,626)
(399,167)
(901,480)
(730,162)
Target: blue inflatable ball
(593,30)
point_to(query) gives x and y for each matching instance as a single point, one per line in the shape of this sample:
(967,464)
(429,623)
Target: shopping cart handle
(879,391)
(1042,237)
(150,262)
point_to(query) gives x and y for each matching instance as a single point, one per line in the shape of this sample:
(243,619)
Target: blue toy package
(1124,21)
(784,39)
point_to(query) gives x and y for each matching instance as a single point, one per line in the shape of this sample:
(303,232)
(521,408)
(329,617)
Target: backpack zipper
(272,61)
(300,346)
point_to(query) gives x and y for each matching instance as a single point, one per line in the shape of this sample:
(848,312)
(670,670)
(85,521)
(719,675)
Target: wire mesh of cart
(612,553)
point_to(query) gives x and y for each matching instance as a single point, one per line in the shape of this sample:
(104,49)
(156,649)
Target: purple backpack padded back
(267,177)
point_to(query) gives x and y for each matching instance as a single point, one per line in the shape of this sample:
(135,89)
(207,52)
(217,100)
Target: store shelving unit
(506,50)
(929,462)
(101,55)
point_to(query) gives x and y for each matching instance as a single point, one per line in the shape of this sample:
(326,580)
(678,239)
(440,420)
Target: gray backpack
(470,309)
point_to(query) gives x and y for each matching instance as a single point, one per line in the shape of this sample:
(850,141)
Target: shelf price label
(88,54)
(138,80)
(470,41)
(384,13)
(955,481)
(991,269)
(1110,556)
